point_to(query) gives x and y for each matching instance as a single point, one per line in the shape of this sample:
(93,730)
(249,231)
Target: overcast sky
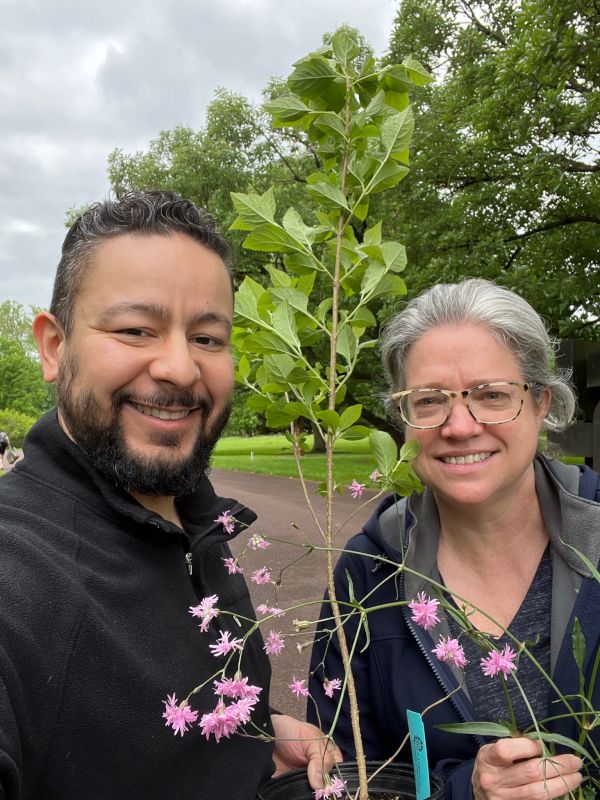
(78,79)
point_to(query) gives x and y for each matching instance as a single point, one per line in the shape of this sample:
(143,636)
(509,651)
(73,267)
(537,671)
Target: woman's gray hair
(511,321)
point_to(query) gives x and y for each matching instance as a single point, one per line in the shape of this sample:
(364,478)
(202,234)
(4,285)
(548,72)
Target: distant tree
(505,178)
(22,387)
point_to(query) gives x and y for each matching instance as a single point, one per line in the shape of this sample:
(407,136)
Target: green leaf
(328,121)
(287,109)
(397,131)
(384,450)
(272,239)
(330,418)
(278,276)
(578,644)
(398,100)
(417,72)
(258,402)
(410,450)
(347,343)
(394,255)
(246,300)
(564,741)
(264,342)
(373,235)
(313,77)
(294,297)
(279,366)
(244,367)
(254,209)
(350,415)
(377,105)
(355,432)
(390,285)
(294,225)
(330,196)
(345,48)
(280,414)
(284,323)
(387,176)
(363,318)
(373,275)
(496,729)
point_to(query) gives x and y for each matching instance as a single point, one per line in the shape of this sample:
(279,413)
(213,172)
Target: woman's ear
(50,338)
(544,404)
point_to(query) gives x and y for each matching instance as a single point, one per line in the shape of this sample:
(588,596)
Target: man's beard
(106,447)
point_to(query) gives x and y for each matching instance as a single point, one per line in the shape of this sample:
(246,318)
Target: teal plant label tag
(418,746)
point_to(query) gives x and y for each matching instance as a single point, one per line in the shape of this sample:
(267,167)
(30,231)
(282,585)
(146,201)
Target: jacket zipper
(188,558)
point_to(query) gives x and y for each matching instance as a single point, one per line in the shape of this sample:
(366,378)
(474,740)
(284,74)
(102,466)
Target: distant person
(8,455)
(110,531)
(470,378)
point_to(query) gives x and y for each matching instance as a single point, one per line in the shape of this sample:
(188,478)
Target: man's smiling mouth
(161,413)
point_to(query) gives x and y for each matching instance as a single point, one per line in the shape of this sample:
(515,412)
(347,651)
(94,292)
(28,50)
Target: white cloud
(79,80)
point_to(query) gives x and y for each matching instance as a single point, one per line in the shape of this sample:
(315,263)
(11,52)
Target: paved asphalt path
(283,514)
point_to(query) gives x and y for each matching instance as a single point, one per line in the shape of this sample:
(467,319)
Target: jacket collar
(52,457)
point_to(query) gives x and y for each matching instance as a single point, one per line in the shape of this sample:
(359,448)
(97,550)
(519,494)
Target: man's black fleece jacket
(95,632)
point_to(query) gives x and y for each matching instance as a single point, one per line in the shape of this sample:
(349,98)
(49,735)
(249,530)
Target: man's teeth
(472,458)
(161,413)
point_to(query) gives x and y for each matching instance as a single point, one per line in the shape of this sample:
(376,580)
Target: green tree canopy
(506,172)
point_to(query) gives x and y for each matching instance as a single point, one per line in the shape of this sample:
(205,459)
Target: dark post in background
(582,438)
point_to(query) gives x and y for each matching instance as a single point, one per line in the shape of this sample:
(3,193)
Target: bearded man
(109,531)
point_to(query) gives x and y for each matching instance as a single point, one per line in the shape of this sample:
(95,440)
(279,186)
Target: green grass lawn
(272,455)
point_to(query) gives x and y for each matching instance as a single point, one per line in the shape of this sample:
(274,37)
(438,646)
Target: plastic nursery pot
(395,782)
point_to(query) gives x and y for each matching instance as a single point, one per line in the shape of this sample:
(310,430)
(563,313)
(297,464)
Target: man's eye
(133,332)
(206,341)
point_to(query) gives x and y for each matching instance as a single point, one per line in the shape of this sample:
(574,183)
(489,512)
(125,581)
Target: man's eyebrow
(162,313)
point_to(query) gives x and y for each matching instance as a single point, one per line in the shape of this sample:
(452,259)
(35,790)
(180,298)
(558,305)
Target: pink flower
(261,575)
(356,489)
(450,650)
(298,688)
(206,611)
(232,566)
(497,662)
(274,644)
(227,521)
(331,686)
(223,721)
(258,542)
(424,611)
(273,610)
(224,646)
(334,788)
(178,716)
(237,688)
(375,475)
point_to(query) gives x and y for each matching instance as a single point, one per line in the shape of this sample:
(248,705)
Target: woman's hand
(300,744)
(511,769)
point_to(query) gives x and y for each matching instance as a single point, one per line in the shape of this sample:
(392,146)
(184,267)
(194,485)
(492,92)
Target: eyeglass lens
(488,404)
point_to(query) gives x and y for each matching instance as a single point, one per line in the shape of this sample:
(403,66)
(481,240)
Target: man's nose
(175,361)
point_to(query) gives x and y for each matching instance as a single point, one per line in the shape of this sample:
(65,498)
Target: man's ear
(50,339)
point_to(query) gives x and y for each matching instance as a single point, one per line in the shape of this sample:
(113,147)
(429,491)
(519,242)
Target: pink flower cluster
(356,489)
(425,614)
(232,566)
(205,610)
(424,611)
(331,686)
(499,662)
(225,645)
(274,644)
(258,542)
(178,715)
(335,787)
(226,719)
(227,521)
(298,687)
(451,651)
(261,576)
(263,608)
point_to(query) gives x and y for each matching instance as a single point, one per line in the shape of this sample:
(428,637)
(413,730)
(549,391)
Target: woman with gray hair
(471,379)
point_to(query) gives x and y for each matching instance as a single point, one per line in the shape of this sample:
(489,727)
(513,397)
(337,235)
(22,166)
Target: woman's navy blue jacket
(393,664)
